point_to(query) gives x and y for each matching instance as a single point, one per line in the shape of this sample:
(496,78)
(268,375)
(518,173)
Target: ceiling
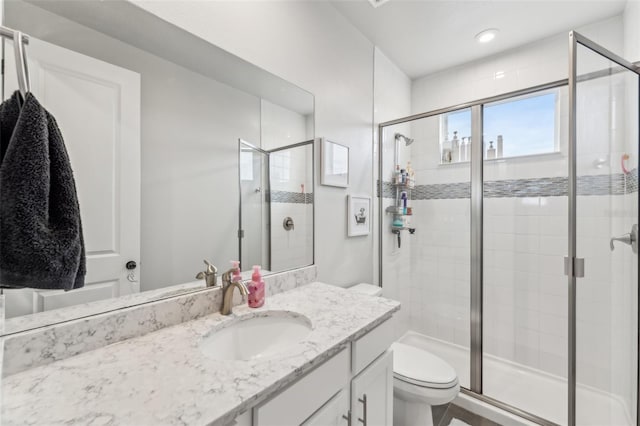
(426,36)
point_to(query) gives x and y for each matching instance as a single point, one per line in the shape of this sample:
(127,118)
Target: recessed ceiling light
(487,35)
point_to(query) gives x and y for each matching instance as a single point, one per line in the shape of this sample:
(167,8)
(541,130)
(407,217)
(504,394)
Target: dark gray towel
(41,243)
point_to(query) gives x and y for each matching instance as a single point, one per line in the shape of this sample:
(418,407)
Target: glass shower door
(524,351)
(254,212)
(603,292)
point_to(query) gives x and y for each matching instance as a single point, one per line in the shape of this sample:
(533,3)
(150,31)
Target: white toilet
(420,379)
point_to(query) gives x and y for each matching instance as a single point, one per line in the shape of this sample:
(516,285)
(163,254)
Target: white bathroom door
(97,106)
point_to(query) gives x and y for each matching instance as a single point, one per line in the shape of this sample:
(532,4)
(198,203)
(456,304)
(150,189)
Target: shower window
(516,127)
(455,137)
(281,166)
(527,125)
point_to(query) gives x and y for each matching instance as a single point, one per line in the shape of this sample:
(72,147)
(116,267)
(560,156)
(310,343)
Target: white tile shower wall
(525,290)
(313,46)
(396,254)
(530,65)
(392,99)
(293,248)
(291,171)
(439,284)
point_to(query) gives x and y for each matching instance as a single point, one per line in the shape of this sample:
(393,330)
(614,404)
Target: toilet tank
(365,288)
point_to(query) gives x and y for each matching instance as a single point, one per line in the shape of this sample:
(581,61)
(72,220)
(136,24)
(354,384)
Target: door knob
(630,239)
(130,265)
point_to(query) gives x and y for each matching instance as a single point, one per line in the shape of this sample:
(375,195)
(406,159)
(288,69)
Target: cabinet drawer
(371,345)
(300,400)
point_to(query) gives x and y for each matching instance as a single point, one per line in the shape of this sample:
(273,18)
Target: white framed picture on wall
(358,215)
(334,164)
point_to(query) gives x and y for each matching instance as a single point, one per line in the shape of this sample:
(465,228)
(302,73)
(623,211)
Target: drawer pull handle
(347,417)
(363,420)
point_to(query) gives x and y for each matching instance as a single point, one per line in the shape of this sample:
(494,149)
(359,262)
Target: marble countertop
(164,378)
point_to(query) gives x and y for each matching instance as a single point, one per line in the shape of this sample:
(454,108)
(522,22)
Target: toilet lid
(419,367)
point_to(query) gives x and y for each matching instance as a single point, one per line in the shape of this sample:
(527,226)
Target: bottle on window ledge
(491,152)
(446,151)
(455,148)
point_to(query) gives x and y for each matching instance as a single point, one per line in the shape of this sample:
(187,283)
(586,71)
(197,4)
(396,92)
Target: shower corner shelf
(403,228)
(404,185)
(394,211)
(397,212)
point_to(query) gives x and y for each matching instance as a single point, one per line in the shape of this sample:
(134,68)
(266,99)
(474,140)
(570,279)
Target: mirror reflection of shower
(276,184)
(407,141)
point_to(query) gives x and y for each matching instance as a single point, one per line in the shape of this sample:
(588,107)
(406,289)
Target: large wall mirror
(151,116)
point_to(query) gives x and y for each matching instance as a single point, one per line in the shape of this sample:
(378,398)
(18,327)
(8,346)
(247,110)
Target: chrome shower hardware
(287,224)
(407,141)
(630,239)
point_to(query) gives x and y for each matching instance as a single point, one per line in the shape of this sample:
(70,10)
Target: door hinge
(574,267)
(240,233)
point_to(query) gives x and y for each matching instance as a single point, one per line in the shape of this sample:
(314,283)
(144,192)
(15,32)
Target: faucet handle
(211,269)
(210,275)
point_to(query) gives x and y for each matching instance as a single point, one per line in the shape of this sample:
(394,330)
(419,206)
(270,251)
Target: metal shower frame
(572,264)
(267,153)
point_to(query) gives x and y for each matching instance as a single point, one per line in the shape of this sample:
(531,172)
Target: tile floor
(453,415)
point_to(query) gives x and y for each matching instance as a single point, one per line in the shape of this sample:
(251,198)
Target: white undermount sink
(256,336)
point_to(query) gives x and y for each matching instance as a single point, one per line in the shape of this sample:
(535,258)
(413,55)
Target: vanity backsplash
(44,345)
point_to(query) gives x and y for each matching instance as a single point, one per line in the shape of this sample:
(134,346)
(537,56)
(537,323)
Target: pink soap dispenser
(236,276)
(256,288)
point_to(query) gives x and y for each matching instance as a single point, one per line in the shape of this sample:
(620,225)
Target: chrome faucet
(210,275)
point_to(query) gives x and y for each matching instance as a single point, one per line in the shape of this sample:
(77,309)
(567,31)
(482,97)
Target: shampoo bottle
(446,151)
(455,148)
(491,152)
(463,150)
(397,177)
(256,288)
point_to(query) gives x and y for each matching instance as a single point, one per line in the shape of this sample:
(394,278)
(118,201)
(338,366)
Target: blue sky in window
(527,125)
(459,121)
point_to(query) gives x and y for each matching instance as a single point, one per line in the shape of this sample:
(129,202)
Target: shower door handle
(630,239)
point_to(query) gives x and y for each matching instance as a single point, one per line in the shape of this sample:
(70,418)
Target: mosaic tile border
(589,185)
(289,197)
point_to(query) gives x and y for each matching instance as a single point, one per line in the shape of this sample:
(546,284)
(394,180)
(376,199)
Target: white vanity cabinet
(372,393)
(352,388)
(334,412)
